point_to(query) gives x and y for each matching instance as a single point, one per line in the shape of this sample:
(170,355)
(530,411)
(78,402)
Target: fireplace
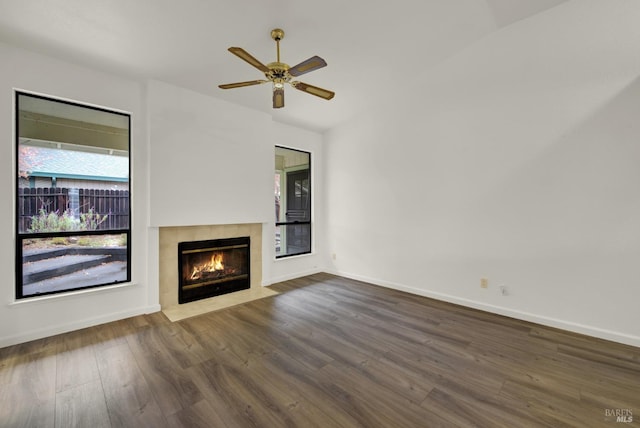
(212,267)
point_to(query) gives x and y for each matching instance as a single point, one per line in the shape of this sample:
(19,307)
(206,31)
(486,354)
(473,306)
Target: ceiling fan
(280,73)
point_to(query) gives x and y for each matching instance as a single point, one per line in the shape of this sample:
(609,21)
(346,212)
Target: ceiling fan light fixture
(279,73)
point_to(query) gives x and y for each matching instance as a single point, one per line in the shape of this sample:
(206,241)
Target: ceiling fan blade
(242,54)
(241,84)
(278,98)
(313,63)
(313,90)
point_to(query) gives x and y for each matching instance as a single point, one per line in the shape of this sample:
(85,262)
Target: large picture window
(293,202)
(73,198)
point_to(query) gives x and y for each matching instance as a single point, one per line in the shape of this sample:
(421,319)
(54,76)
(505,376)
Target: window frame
(309,222)
(20,237)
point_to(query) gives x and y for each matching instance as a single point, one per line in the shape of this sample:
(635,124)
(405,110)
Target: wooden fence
(113,203)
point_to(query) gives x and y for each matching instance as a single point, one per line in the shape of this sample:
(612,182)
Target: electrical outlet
(484,283)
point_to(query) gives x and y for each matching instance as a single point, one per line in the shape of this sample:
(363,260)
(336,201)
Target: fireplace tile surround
(169,237)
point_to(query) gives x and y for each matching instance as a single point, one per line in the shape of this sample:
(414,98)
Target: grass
(96,241)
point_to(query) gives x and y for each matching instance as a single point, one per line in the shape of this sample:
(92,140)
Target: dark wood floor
(327,352)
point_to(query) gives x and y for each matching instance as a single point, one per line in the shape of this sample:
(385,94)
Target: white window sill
(63,295)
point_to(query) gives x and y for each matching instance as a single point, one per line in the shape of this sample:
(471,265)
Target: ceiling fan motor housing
(278,72)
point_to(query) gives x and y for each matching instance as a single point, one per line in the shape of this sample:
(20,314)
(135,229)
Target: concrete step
(52,267)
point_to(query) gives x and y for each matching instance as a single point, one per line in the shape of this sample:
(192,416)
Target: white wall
(516,160)
(211,160)
(45,316)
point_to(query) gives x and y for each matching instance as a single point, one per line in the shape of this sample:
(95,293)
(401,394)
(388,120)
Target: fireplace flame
(217,261)
(215,264)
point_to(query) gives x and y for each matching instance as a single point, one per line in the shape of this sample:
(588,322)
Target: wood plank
(309,384)
(465,413)
(129,399)
(28,390)
(82,406)
(250,400)
(76,360)
(551,409)
(379,408)
(170,384)
(200,415)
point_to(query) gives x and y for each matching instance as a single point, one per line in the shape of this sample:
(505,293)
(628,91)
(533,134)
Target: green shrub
(59,240)
(85,242)
(54,222)
(91,220)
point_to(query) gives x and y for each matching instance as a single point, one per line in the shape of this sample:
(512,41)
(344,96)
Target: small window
(293,202)
(73,198)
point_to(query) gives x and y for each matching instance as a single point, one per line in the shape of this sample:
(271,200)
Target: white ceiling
(371,46)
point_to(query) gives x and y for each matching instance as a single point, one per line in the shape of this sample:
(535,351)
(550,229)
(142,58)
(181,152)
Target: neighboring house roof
(58,163)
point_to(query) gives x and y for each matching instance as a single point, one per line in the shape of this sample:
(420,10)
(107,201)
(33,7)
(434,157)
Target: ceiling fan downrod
(277,34)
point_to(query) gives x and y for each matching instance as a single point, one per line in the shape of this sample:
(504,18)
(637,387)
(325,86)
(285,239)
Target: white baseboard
(525,316)
(64,328)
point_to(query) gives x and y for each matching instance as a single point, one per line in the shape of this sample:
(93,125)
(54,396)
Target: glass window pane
(292,239)
(63,263)
(73,167)
(293,202)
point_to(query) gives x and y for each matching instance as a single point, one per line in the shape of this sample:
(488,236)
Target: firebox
(213,267)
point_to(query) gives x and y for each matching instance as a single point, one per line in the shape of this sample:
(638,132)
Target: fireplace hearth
(212,268)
